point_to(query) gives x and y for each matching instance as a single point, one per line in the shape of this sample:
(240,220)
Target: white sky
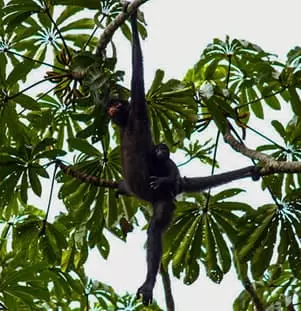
(178,32)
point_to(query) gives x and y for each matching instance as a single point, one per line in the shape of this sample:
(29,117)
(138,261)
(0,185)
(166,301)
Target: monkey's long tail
(93,180)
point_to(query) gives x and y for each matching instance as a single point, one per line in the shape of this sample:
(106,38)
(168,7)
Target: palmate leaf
(27,233)
(83,23)
(17,13)
(222,219)
(27,293)
(263,253)
(277,285)
(44,241)
(222,249)
(84,147)
(181,238)
(92,4)
(253,240)
(213,269)
(294,257)
(178,263)
(19,72)
(295,101)
(21,167)
(170,106)
(196,236)
(27,102)
(13,127)
(77,195)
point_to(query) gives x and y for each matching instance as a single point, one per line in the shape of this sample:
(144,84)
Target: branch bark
(252,292)
(107,34)
(268,165)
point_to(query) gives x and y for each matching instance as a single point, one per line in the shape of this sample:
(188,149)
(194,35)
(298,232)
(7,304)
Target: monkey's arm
(171,178)
(138,104)
(122,189)
(198,184)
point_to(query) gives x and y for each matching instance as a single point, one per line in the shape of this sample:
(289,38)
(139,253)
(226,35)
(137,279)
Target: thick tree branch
(115,24)
(268,164)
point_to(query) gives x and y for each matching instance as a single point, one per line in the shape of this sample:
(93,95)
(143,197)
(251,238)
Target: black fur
(148,174)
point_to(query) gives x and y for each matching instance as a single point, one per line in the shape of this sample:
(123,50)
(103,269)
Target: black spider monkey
(149,173)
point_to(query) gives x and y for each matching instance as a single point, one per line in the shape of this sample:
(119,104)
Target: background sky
(177,33)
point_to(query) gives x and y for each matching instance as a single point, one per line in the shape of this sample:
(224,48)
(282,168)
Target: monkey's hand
(122,189)
(155,182)
(146,291)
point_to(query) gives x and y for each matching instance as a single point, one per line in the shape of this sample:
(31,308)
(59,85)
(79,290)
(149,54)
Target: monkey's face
(118,111)
(162,152)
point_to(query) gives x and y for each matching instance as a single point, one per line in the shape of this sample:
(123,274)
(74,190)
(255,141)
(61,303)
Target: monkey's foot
(146,291)
(256,173)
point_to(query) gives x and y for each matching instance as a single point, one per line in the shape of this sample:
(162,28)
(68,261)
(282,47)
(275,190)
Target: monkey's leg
(163,211)
(198,184)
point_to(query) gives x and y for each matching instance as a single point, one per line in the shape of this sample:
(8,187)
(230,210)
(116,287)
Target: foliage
(52,44)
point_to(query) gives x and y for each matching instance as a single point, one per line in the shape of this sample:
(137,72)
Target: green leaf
(68,11)
(104,247)
(273,102)
(19,72)
(27,102)
(83,23)
(295,101)
(35,181)
(15,19)
(91,4)
(178,259)
(263,253)
(256,105)
(83,146)
(279,128)
(210,70)
(159,75)
(294,257)
(217,114)
(221,248)
(256,237)
(213,270)
(227,194)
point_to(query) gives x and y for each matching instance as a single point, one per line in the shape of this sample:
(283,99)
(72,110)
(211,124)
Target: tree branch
(252,292)
(268,164)
(107,34)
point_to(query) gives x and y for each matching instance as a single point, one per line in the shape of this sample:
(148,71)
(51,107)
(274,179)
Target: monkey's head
(161,152)
(118,111)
